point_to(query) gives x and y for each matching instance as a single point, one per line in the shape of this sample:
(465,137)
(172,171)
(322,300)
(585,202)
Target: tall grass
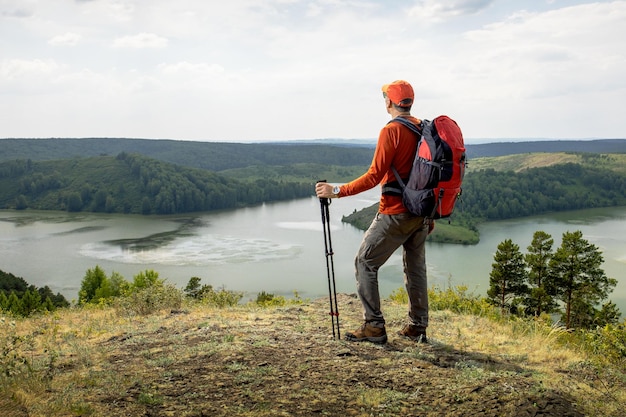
(457,299)
(605,345)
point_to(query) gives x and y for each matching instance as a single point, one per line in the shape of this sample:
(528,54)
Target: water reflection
(187,227)
(44,217)
(196,250)
(86,229)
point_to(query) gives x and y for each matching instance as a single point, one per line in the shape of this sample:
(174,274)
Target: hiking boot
(368,333)
(413,332)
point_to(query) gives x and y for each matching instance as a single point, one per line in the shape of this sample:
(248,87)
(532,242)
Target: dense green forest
(130,183)
(23,299)
(213,176)
(493,195)
(489,194)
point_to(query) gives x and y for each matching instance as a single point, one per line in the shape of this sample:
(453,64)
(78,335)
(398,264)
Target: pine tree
(31,302)
(48,305)
(507,280)
(538,262)
(4,301)
(193,287)
(608,314)
(580,283)
(14,304)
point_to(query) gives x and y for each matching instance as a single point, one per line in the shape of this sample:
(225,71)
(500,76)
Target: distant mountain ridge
(549,146)
(217,156)
(506,148)
(213,156)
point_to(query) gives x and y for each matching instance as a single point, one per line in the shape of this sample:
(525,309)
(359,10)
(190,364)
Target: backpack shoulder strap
(415,129)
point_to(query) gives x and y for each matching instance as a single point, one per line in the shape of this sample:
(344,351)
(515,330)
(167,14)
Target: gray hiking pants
(386,234)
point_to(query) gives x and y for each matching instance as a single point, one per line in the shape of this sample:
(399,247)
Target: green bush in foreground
(265,299)
(456,299)
(150,300)
(221,297)
(206,294)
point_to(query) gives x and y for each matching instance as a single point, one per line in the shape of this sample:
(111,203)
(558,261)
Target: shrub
(608,342)
(92,281)
(399,296)
(456,299)
(194,290)
(148,294)
(266,299)
(221,298)
(149,300)
(97,288)
(147,279)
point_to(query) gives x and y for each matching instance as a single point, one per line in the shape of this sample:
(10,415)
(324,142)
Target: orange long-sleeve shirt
(396,146)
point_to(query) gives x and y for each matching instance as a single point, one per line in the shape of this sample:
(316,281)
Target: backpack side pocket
(419,202)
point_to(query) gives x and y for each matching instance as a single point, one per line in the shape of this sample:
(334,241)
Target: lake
(277,247)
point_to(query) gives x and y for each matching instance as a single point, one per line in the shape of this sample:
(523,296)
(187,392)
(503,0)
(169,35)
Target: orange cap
(400,93)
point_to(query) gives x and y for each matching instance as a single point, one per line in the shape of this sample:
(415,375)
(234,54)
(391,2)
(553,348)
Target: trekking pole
(330,266)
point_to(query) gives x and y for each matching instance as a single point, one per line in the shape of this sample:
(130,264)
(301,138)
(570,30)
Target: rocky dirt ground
(284,362)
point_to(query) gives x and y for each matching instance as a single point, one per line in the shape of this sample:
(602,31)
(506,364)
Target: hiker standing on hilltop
(393,225)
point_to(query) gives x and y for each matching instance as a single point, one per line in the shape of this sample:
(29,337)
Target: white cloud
(192,78)
(15,69)
(160,68)
(564,52)
(141,40)
(108,10)
(67,39)
(186,68)
(437,10)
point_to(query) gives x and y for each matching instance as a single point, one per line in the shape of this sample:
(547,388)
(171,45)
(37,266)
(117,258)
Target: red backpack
(434,184)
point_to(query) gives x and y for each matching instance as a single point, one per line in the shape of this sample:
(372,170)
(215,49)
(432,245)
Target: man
(392,227)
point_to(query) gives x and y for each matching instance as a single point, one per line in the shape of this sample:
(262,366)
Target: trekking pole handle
(323,200)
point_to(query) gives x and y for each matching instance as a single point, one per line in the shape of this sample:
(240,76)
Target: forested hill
(217,156)
(131,183)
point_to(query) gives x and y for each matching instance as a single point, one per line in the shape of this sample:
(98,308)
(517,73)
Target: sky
(274,70)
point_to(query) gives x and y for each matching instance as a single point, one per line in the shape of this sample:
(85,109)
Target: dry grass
(245,361)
